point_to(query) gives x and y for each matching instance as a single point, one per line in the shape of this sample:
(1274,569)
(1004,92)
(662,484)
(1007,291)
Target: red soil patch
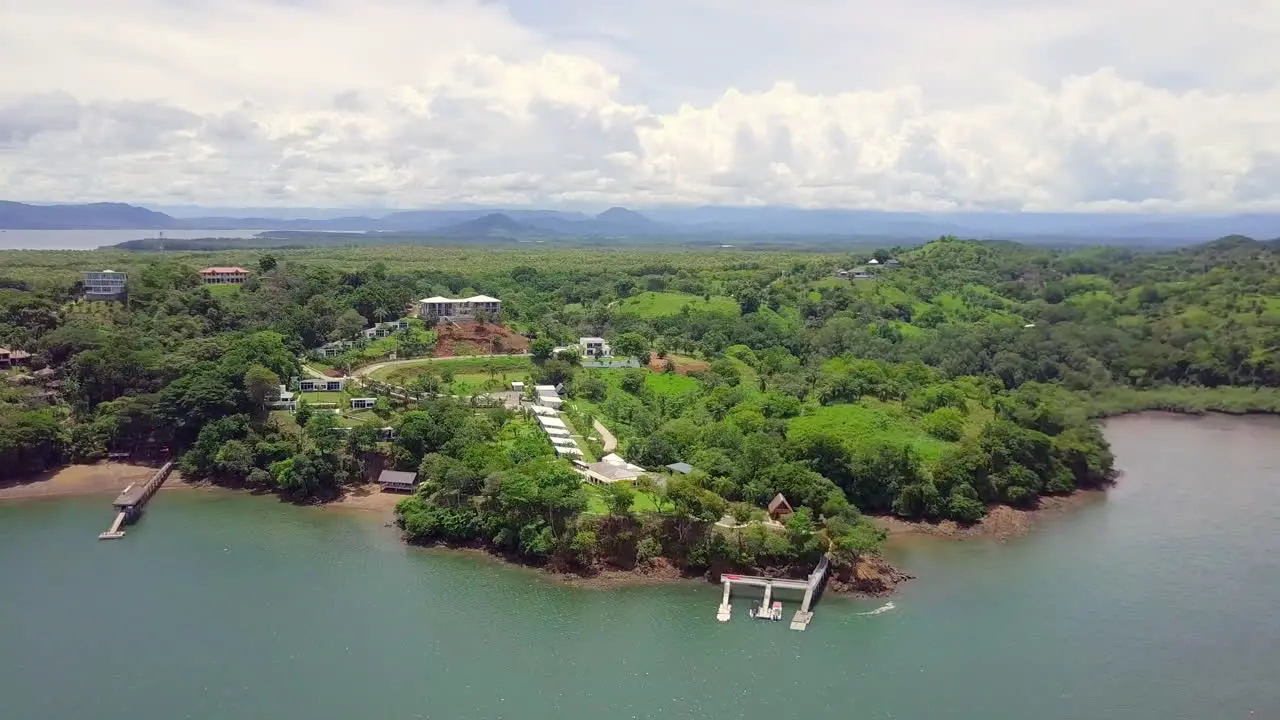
(684,365)
(476,339)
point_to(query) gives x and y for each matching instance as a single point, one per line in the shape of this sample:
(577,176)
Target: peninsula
(652,411)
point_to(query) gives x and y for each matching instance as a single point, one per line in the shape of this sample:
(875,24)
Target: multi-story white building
(442,308)
(594,347)
(224,275)
(105,285)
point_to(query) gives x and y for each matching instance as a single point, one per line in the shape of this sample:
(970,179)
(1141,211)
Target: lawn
(668,384)
(869,421)
(327,397)
(664,304)
(643,502)
(475,370)
(228,289)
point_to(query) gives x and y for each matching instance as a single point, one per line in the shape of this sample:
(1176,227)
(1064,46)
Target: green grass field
(464,369)
(868,421)
(643,502)
(663,304)
(229,289)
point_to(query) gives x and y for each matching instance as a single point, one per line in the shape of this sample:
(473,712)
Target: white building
(611,469)
(363,403)
(318,385)
(284,400)
(384,329)
(442,308)
(550,401)
(224,275)
(594,347)
(105,285)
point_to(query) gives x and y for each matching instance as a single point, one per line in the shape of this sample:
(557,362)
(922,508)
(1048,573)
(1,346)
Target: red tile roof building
(224,275)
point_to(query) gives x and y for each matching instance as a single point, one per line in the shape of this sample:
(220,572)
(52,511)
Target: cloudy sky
(908,104)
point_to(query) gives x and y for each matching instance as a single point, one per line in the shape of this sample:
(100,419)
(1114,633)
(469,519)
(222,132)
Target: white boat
(760,612)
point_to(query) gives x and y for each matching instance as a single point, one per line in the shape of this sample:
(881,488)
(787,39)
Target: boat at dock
(760,611)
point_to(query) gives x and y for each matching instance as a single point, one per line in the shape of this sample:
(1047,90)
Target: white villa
(443,308)
(594,347)
(105,285)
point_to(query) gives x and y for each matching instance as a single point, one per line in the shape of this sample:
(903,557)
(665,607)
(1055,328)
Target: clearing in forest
(665,304)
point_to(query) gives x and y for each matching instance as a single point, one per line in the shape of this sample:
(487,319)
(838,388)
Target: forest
(927,382)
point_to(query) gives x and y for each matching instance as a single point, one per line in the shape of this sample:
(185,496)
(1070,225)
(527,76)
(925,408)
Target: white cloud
(915,104)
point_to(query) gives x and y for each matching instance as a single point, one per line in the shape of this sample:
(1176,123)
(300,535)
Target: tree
(647,550)
(541,348)
(266,264)
(348,325)
(630,344)
(618,497)
(260,384)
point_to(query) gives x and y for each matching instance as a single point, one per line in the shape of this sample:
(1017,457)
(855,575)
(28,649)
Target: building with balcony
(105,285)
(435,309)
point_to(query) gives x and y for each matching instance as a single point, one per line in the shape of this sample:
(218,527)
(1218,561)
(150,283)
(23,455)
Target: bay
(93,239)
(1155,602)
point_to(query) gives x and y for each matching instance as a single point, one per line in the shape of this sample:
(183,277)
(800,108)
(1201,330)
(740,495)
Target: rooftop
(680,467)
(212,270)
(472,299)
(397,477)
(593,340)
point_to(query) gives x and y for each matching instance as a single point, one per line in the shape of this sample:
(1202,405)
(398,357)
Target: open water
(1158,602)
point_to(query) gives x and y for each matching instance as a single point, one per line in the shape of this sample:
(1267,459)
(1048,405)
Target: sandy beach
(99,479)
(110,478)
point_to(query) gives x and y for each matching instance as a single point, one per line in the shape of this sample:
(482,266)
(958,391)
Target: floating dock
(812,587)
(130,501)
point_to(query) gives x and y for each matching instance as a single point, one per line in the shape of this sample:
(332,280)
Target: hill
(96,216)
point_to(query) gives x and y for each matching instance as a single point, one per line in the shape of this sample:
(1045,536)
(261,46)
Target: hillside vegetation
(963,378)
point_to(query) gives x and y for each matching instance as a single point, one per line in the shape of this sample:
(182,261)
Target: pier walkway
(811,586)
(129,502)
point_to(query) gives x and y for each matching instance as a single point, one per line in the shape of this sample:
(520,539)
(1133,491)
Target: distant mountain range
(671,223)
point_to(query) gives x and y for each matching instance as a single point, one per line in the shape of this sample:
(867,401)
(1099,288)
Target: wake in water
(882,609)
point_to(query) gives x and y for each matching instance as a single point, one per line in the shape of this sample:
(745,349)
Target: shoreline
(1001,522)
(873,577)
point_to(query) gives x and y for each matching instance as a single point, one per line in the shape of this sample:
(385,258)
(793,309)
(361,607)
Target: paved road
(369,369)
(609,443)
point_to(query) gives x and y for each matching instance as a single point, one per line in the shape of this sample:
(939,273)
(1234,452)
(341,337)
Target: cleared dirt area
(683,365)
(100,478)
(454,339)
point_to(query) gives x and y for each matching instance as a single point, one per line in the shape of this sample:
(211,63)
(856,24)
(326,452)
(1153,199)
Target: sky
(1033,105)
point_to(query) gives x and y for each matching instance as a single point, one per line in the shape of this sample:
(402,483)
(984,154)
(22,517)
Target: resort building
(363,403)
(384,329)
(397,480)
(780,509)
(611,469)
(594,347)
(435,309)
(13,357)
(223,275)
(319,385)
(284,400)
(105,285)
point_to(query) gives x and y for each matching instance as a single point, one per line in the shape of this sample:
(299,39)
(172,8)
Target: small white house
(517,386)
(284,400)
(594,347)
(553,401)
(363,403)
(545,390)
(321,385)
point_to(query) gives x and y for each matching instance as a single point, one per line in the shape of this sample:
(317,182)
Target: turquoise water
(1157,602)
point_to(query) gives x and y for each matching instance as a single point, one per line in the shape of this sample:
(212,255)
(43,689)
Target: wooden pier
(812,587)
(129,502)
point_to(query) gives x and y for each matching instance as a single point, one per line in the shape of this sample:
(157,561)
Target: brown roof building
(779,508)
